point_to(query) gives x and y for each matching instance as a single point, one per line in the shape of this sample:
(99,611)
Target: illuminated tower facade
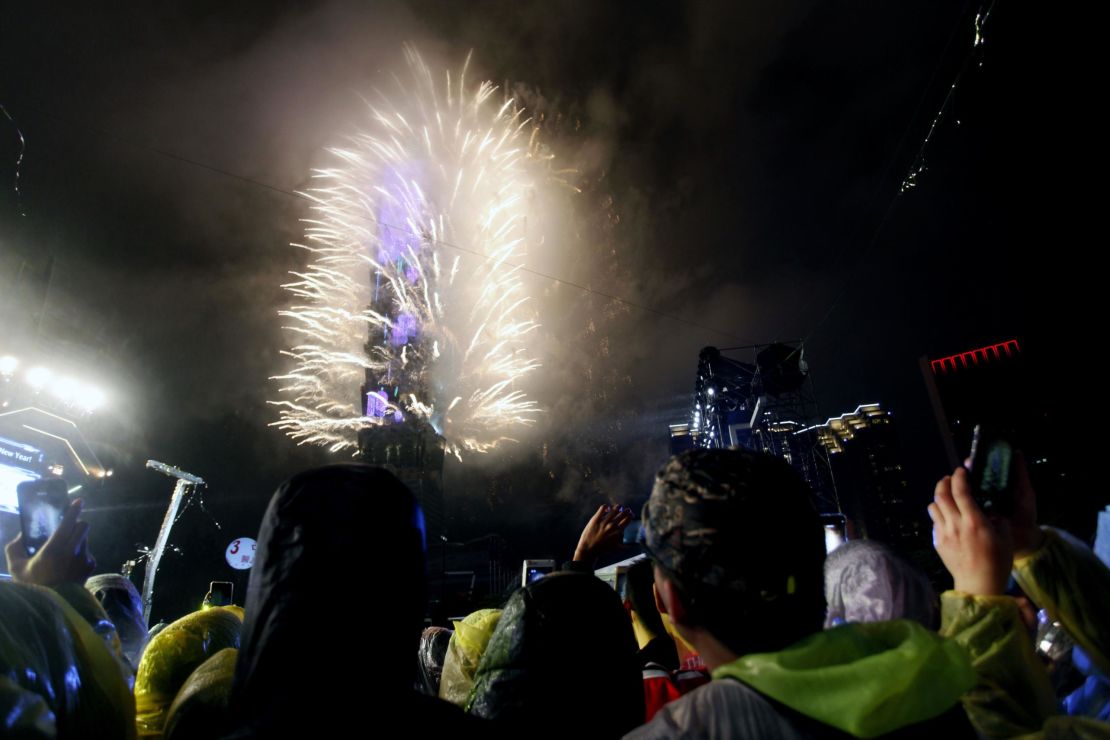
(407,445)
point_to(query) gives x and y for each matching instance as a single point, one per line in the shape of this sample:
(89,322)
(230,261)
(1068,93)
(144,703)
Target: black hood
(335,600)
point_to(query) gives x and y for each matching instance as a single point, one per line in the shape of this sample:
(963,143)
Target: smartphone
(42,503)
(992,456)
(219,593)
(534,570)
(836,531)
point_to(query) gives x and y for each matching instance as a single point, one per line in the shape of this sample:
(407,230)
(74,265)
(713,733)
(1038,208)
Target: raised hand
(64,558)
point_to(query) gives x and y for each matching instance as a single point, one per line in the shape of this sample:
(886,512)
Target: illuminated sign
(976,357)
(18,463)
(15,453)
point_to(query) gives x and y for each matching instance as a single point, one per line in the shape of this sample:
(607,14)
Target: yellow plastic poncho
(1013,696)
(464,653)
(172,656)
(200,709)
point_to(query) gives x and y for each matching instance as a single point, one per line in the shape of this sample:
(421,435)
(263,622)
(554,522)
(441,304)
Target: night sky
(740,165)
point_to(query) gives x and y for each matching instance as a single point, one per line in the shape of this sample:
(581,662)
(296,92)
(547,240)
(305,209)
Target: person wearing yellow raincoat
(173,655)
(1013,696)
(464,653)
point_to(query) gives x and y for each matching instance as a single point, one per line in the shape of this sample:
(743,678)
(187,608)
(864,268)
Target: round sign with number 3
(240,553)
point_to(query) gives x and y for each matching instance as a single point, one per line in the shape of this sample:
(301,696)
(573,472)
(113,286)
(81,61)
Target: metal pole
(184,480)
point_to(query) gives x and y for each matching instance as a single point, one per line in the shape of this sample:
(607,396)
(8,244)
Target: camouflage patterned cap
(733,519)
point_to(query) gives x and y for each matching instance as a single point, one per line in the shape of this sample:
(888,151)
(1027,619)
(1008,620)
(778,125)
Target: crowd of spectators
(736,623)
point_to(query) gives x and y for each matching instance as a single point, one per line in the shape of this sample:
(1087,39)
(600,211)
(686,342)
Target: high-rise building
(866,460)
(405,444)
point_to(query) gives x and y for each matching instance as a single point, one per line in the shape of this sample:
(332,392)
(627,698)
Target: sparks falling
(413,292)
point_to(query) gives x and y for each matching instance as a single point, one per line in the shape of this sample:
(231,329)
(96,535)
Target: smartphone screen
(836,531)
(534,570)
(991,457)
(219,593)
(42,503)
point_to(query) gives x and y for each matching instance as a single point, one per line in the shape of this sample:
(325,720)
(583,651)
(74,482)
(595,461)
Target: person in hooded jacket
(865,581)
(562,662)
(737,549)
(123,605)
(334,612)
(171,658)
(1013,695)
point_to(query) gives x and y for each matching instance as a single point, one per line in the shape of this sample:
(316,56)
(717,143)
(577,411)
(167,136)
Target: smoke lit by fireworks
(413,292)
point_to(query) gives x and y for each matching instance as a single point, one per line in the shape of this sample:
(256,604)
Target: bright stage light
(38,377)
(72,392)
(66,389)
(92,398)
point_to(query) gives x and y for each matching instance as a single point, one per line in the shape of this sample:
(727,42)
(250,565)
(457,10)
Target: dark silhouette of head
(337,589)
(562,651)
(736,532)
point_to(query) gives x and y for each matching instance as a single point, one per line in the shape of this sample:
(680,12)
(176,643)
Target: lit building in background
(406,444)
(852,462)
(866,460)
(766,404)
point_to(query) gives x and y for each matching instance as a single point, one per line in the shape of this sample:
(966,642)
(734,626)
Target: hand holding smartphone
(42,504)
(50,549)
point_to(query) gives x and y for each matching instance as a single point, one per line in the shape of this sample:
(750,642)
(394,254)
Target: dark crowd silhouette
(734,623)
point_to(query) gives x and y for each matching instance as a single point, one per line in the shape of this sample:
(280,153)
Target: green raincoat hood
(864,679)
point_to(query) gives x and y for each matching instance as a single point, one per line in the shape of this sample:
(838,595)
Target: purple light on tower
(404,329)
(376,404)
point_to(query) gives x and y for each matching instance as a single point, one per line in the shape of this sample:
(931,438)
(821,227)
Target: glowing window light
(8,364)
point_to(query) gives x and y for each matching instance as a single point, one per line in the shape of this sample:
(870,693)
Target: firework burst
(413,291)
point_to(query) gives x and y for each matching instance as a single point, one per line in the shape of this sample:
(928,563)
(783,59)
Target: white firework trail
(442,172)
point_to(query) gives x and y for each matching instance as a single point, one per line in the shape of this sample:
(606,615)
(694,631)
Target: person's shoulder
(719,709)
